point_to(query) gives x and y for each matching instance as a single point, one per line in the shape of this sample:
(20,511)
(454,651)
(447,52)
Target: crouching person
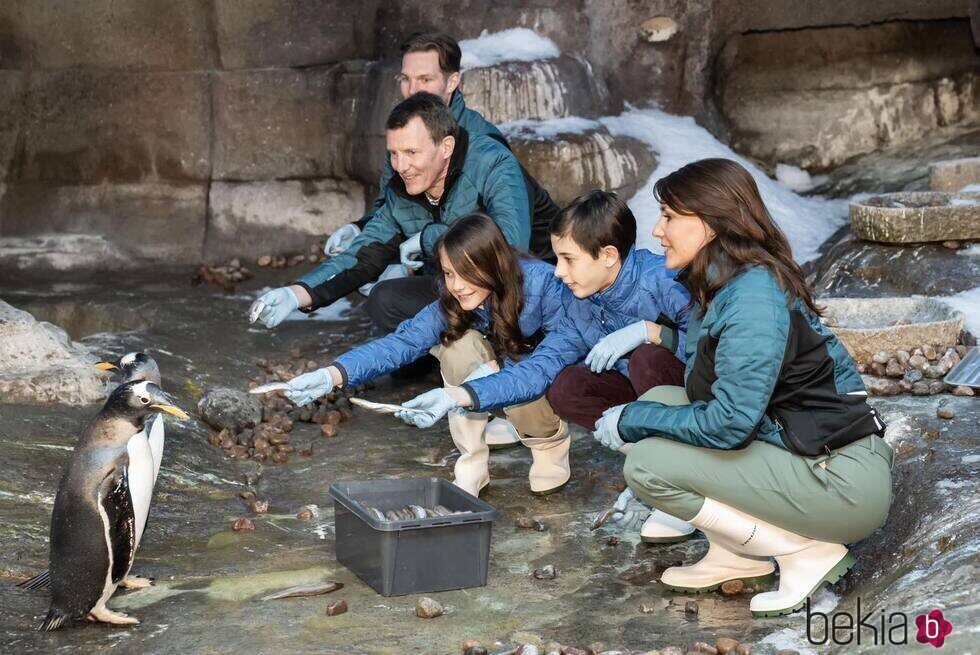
(774,452)
(493,306)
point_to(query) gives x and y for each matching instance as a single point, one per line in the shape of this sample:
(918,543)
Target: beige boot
(473,465)
(549,465)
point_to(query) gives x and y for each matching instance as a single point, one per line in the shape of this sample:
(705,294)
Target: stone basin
(868,325)
(954,174)
(911,217)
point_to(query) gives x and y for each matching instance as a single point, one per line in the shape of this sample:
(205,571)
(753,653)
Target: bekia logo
(933,628)
(874,627)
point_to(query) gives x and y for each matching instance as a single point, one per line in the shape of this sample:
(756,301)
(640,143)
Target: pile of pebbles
(269,441)
(722,646)
(412,512)
(919,372)
(226,276)
(315,256)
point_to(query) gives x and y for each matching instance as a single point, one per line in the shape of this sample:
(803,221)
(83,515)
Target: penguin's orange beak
(172,410)
(106,366)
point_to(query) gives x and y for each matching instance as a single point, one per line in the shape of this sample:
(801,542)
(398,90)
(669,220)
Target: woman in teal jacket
(770,449)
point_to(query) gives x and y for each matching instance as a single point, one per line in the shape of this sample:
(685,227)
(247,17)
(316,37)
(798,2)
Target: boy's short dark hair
(597,219)
(447,47)
(431,109)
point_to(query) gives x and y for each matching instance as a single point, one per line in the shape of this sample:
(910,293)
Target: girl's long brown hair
(481,256)
(725,196)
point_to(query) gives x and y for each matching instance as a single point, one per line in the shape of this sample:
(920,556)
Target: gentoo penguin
(94,523)
(145,451)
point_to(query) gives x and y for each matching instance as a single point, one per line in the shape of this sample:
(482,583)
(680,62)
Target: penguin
(145,450)
(94,522)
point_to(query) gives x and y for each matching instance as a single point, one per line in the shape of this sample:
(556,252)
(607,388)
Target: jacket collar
(457,105)
(623,287)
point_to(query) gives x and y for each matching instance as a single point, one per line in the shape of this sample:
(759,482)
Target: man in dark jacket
(443,173)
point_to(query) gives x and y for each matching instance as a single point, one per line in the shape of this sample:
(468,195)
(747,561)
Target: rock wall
(181,130)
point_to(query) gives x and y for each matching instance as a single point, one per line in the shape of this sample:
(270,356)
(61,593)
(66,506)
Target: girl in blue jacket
(770,449)
(494,307)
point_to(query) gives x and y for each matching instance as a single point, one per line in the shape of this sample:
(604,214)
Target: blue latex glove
(410,252)
(433,405)
(612,347)
(276,305)
(341,239)
(607,428)
(304,389)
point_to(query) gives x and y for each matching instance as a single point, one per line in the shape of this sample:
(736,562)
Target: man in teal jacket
(443,173)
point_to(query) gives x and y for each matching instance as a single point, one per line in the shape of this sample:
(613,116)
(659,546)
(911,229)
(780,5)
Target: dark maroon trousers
(580,396)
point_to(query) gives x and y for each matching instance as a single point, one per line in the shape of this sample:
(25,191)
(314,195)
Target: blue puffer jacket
(643,290)
(749,347)
(541,314)
(483,176)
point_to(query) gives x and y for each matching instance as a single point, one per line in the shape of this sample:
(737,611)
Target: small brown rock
(726,645)
(930,352)
(962,390)
(470,643)
(528,523)
(903,357)
(259,506)
(264,261)
(904,385)
(936,387)
(304,515)
(877,369)
(893,369)
(920,388)
(743,649)
(946,413)
(881,357)
(243,525)
(952,245)
(933,372)
(862,368)
(612,541)
(702,647)
(339,607)
(328,430)
(572,650)
(595,648)
(918,361)
(428,608)
(671,650)
(691,608)
(732,587)
(280,457)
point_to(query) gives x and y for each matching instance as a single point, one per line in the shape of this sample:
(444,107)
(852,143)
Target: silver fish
(376,513)
(299,591)
(392,515)
(418,511)
(267,388)
(603,517)
(255,310)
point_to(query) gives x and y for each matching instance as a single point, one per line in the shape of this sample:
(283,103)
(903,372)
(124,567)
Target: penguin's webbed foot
(106,615)
(135,582)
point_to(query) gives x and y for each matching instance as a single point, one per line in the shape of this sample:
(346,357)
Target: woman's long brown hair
(725,196)
(481,256)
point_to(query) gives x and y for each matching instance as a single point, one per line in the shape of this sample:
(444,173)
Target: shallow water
(208,578)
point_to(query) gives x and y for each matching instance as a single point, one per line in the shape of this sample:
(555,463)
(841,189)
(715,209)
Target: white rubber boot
(549,466)
(473,466)
(662,528)
(805,564)
(501,433)
(718,566)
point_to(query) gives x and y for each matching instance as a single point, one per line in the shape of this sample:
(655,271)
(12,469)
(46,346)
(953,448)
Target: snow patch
(551,128)
(970,459)
(797,179)
(515,44)
(972,251)
(971,188)
(967,302)
(678,140)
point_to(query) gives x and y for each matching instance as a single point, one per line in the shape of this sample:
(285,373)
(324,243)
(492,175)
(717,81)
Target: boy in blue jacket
(626,317)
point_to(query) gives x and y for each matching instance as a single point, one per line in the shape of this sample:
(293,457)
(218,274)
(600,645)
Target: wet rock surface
(208,576)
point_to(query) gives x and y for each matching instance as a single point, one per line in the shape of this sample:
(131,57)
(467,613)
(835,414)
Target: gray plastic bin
(412,556)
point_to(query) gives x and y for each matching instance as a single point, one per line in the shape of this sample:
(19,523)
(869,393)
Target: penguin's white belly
(156,438)
(141,478)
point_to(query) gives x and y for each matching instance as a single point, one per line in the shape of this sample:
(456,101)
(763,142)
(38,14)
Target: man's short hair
(445,45)
(431,109)
(597,219)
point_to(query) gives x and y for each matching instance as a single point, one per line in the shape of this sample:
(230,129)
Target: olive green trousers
(840,498)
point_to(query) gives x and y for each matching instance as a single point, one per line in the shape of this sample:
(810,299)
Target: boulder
(914,217)
(229,409)
(39,364)
(571,156)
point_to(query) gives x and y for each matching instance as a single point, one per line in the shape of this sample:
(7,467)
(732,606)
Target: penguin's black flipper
(118,505)
(39,581)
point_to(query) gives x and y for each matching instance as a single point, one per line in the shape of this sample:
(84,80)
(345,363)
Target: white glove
(341,239)
(411,252)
